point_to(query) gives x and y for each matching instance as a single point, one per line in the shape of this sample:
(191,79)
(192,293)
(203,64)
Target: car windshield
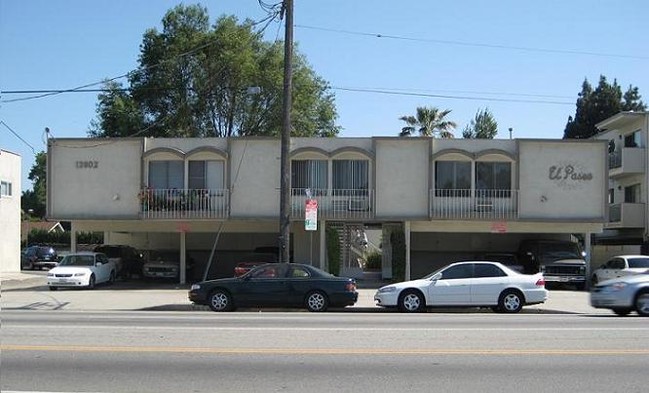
(638,262)
(553,252)
(78,260)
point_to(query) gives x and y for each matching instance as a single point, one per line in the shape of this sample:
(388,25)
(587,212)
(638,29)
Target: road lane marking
(333,328)
(322,351)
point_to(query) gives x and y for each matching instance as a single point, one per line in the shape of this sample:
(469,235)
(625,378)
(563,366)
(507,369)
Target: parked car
(82,269)
(38,257)
(623,294)
(129,261)
(277,285)
(161,265)
(466,284)
(245,264)
(561,262)
(623,265)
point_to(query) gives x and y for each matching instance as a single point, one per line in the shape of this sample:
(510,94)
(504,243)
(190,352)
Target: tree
(428,122)
(483,126)
(36,198)
(195,80)
(593,106)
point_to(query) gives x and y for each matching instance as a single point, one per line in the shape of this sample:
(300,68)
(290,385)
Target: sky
(523,60)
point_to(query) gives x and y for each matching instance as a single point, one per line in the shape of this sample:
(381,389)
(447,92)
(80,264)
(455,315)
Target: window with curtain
(453,178)
(493,179)
(206,175)
(166,175)
(350,177)
(311,174)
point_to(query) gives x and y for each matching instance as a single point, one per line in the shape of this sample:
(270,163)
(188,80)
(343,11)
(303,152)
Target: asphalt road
(66,351)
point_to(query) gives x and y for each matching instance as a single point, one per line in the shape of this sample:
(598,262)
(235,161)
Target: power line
(474,44)
(18,136)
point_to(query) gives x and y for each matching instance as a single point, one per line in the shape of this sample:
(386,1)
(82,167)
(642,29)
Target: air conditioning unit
(359,204)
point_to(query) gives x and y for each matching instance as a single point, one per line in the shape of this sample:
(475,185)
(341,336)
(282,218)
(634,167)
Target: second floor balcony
(184,203)
(468,204)
(626,161)
(626,215)
(335,204)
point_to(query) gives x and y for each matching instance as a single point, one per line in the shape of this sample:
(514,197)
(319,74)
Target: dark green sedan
(277,285)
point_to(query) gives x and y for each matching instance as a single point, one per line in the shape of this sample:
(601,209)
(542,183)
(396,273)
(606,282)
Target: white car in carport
(82,270)
(466,284)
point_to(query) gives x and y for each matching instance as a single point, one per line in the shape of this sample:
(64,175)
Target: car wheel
(316,301)
(411,301)
(220,300)
(623,312)
(642,303)
(91,282)
(510,301)
(53,288)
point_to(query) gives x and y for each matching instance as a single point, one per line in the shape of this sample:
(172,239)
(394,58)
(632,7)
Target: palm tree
(428,122)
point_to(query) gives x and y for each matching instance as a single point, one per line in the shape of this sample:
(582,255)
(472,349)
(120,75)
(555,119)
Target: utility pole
(285,192)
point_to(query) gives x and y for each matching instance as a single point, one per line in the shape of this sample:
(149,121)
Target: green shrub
(333,250)
(374,260)
(41,236)
(398,241)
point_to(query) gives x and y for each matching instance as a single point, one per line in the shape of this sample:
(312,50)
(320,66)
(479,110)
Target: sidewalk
(28,291)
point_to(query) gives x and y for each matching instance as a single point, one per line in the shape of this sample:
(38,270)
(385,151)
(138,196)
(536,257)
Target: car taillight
(350,287)
(540,282)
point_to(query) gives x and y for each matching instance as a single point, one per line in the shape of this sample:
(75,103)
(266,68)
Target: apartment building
(627,135)
(212,200)
(9,211)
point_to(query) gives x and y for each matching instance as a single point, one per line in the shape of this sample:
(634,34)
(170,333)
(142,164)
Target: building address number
(87,164)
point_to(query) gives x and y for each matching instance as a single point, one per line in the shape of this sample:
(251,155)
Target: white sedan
(84,269)
(620,266)
(466,284)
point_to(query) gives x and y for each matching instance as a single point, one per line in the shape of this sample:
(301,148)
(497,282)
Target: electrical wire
(474,44)
(18,136)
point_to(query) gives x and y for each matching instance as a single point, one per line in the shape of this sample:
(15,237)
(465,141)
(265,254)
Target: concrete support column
(183,257)
(588,249)
(406,231)
(323,244)
(73,237)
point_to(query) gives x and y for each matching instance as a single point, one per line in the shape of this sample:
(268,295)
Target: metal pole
(284,200)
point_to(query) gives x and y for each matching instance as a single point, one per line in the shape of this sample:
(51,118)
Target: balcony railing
(468,204)
(184,203)
(626,215)
(334,204)
(626,161)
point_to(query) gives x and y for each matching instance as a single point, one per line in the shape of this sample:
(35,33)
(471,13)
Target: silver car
(623,295)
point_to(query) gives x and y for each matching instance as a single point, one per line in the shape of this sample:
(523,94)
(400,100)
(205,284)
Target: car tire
(91,282)
(53,288)
(642,303)
(411,301)
(510,301)
(316,301)
(622,312)
(220,300)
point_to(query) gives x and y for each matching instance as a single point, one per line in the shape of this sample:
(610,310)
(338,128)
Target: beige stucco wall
(10,164)
(402,177)
(94,178)
(549,189)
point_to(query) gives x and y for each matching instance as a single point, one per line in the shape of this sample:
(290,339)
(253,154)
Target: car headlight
(195,287)
(79,274)
(387,289)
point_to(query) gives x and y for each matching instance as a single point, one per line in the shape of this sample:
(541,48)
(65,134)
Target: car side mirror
(436,277)
(98,264)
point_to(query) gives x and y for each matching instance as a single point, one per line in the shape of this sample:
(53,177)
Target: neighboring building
(453,198)
(627,134)
(9,211)
(28,226)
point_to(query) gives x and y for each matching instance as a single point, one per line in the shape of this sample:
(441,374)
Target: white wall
(10,164)
(562,180)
